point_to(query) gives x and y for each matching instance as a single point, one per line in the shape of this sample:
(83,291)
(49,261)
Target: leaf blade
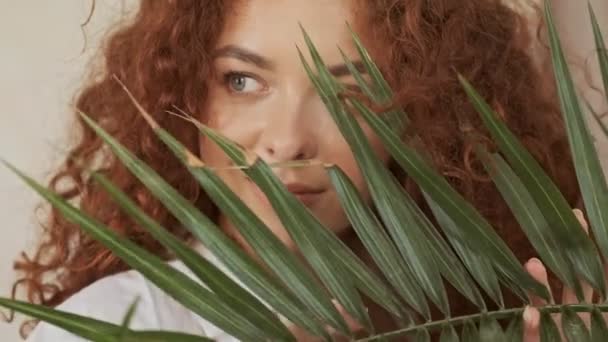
(473,228)
(490,330)
(573,326)
(515,330)
(222,285)
(587,165)
(411,245)
(448,334)
(76,324)
(376,241)
(176,284)
(548,329)
(600,47)
(599,332)
(233,257)
(95,329)
(529,216)
(470,333)
(260,173)
(575,244)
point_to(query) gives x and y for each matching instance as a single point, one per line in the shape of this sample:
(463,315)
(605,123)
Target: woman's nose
(287,138)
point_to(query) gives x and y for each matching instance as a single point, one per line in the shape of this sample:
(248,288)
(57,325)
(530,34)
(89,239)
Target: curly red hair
(163,57)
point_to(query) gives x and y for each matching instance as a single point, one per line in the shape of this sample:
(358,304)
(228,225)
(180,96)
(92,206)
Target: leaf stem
(498,315)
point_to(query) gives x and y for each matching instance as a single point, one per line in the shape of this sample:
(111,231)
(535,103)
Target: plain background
(41,65)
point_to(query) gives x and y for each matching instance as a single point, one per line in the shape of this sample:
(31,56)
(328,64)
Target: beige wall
(40,66)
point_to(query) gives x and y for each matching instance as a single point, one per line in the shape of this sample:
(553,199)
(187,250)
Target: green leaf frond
(418,255)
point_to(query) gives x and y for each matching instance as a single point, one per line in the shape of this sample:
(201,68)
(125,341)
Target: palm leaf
(412,255)
(163,336)
(449,334)
(305,230)
(381,202)
(515,330)
(480,267)
(95,330)
(420,262)
(548,328)
(448,263)
(528,215)
(470,333)
(576,246)
(370,231)
(472,229)
(284,264)
(600,46)
(573,327)
(126,321)
(422,336)
(602,55)
(262,175)
(222,285)
(588,168)
(364,279)
(419,244)
(235,259)
(179,286)
(82,326)
(490,330)
(599,332)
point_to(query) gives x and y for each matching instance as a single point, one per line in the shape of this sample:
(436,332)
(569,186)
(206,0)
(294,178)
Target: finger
(531,318)
(581,218)
(568,295)
(538,271)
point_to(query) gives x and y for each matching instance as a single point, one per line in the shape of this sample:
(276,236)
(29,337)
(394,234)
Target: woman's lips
(305,194)
(308,198)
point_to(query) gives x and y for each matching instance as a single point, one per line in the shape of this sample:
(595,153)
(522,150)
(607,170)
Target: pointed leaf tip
(5,163)
(139,107)
(14,170)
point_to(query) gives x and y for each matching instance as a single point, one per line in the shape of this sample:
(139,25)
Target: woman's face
(262,99)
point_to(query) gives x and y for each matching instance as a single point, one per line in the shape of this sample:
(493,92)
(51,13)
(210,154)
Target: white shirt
(109,298)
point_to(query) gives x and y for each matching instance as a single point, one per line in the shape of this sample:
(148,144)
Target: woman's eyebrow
(248,56)
(340,70)
(244,55)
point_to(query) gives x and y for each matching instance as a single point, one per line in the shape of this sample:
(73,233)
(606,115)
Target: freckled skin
(272,109)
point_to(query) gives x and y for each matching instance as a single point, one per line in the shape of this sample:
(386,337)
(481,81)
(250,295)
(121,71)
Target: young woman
(234,65)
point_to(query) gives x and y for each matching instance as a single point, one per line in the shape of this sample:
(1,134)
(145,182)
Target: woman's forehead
(268,26)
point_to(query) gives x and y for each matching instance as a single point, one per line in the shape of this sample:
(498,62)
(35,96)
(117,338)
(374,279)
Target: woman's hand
(531,315)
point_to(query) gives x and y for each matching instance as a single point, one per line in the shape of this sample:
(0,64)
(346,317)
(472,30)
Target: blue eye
(241,83)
